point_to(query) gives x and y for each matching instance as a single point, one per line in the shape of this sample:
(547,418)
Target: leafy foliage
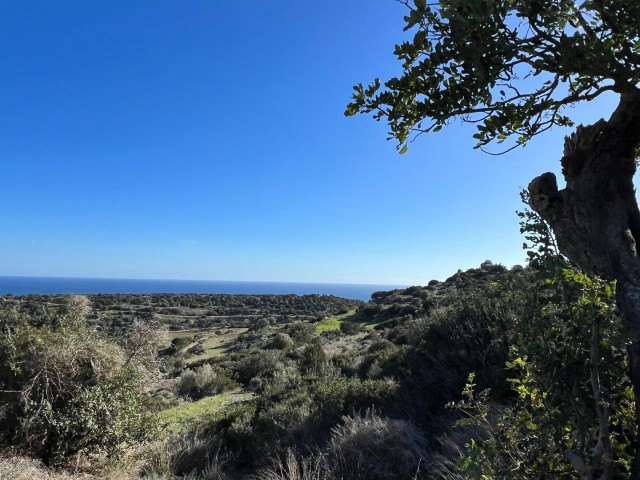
(204,381)
(296,408)
(473,60)
(574,408)
(542,250)
(68,388)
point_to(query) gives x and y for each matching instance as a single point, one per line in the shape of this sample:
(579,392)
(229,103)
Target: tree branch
(578,465)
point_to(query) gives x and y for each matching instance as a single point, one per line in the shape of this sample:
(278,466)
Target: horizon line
(203,280)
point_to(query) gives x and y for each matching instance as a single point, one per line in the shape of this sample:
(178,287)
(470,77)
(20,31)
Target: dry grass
(346,345)
(370,447)
(363,447)
(190,456)
(23,468)
(290,468)
(15,467)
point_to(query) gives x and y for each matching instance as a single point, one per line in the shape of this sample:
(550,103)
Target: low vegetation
(493,373)
(67,389)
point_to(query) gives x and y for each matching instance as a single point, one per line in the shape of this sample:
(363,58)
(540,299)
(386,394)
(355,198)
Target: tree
(511,67)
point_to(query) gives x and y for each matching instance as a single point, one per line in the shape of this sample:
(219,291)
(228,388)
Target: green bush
(572,410)
(295,409)
(573,401)
(75,390)
(312,357)
(473,333)
(352,328)
(282,341)
(256,365)
(100,418)
(235,427)
(204,381)
(301,332)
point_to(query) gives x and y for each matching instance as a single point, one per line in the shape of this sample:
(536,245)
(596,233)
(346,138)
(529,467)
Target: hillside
(316,387)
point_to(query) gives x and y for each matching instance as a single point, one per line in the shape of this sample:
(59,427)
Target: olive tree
(511,67)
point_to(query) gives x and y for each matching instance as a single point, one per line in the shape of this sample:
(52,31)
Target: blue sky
(206,140)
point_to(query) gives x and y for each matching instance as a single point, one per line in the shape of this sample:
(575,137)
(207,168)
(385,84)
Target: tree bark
(596,219)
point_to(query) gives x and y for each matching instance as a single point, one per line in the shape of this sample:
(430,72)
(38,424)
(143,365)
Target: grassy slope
(328,324)
(180,418)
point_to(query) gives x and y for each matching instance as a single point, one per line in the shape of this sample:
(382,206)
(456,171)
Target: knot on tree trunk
(544,194)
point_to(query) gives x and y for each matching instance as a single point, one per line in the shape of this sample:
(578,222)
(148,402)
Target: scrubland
(484,375)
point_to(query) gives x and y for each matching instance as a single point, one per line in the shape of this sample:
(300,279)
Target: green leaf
(404,149)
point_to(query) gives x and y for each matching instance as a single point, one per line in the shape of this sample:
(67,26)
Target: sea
(61,285)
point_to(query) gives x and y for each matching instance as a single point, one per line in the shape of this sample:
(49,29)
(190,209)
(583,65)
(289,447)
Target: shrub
(297,410)
(76,391)
(472,333)
(179,343)
(260,324)
(205,381)
(302,332)
(363,447)
(370,447)
(352,328)
(175,365)
(257,365)
(282,341)
(573,409)
(313,357)
(99,418)
(235,427)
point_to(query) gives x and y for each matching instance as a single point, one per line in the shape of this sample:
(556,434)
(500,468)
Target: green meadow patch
(181,418)
(330,324)
(327,325)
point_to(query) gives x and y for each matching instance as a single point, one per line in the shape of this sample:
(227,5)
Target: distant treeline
(113,312)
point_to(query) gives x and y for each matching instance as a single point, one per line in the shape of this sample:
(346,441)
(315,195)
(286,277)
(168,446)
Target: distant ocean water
(57,285)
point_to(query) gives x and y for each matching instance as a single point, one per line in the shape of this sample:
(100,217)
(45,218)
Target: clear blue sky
(206,140)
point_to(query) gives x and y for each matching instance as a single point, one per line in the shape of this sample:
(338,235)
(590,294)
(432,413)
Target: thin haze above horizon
(206,140)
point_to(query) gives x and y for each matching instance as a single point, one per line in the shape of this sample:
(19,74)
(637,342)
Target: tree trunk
(596,219)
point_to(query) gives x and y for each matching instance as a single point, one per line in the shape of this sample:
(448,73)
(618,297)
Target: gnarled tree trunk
(596,219)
